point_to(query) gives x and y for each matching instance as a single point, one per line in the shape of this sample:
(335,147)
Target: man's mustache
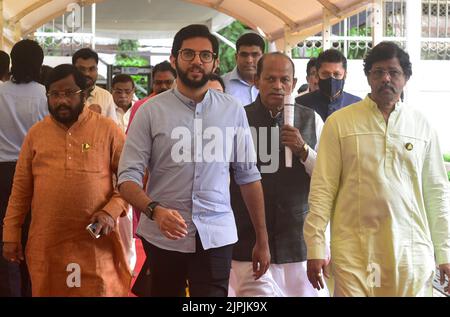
(197,68)
(388,87)
(62,107)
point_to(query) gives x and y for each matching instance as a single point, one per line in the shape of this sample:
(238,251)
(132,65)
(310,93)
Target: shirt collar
(234,75)
(187,101)
(266,114)
(93,92)
(372,104)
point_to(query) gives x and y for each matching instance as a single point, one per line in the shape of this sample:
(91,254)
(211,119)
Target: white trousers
(280,280)
(125,225)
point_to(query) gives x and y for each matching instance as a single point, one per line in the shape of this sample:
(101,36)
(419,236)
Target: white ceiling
(275,18)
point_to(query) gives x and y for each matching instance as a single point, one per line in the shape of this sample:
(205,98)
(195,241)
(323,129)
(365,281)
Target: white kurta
(385,190)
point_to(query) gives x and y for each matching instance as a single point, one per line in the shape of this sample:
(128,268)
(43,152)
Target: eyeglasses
(64,94)
(188,55)
(120,91)
(379,73)
(167,82)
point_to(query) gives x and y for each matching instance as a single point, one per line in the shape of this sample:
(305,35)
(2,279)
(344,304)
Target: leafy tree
(227,54)
(128,55)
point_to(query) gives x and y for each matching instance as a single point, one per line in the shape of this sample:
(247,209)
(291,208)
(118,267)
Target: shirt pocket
(410,155)
(92,158)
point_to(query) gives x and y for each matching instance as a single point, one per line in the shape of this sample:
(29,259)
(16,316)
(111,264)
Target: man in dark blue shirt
(331,71)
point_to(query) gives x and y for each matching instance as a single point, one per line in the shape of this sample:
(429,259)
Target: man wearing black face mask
(332,71)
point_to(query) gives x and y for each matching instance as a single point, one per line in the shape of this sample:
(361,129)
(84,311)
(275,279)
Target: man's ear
(216,64)
(172,61)
(256,81)
(294,83)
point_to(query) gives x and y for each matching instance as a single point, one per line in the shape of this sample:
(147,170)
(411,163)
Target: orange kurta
(65,175)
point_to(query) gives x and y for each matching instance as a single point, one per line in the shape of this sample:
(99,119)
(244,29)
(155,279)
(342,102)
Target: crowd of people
(196,170)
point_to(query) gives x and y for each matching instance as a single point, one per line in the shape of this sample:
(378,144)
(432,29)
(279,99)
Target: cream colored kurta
(385,190)
(65,175)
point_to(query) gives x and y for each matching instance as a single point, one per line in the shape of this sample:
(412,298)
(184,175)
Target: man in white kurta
(380,179)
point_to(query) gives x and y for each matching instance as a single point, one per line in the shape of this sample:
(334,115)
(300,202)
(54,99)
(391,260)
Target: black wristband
(149,211)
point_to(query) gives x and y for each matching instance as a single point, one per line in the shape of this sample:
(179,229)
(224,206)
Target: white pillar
(413,46)
(287,41)
(272,47)
(326,29)
(377,21)
(93,19)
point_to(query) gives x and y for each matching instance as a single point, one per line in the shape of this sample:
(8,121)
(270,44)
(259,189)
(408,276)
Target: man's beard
(189,82)
(90,82)
(72,117)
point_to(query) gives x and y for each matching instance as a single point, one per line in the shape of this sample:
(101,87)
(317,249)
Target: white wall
(433,98)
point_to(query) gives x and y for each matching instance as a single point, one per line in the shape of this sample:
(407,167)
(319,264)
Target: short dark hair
(45,72)
(85,53)
(215,77)
(302,88)
(250,39)
(260,65)
(385,51)
(331,56)
(64,70)
(4,63)
(26,61)
(122,78)
(191,31)
(164,67)
(311,63)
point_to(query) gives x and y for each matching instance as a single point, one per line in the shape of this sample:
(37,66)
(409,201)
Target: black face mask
(331,87)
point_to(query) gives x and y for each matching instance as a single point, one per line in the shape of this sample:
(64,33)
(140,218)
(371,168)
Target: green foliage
(128,55)
(226,53)
(447,157)
(128,45)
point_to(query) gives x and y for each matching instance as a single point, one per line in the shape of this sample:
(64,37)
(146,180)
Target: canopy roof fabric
(277,20)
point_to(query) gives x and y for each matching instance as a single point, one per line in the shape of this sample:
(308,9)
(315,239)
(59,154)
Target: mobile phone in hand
(91,229)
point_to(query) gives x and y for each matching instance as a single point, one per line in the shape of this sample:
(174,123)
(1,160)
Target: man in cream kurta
(380,179)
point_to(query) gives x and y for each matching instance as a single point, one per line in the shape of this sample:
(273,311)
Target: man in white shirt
(22,104)
(99,100)
(123,89)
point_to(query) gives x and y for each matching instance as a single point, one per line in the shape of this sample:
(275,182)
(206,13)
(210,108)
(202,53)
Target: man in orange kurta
(65,174)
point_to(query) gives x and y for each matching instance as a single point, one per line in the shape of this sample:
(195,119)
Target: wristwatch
(151,209)
(305,147)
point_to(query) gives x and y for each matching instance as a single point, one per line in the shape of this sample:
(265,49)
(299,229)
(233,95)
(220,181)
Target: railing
(354,38)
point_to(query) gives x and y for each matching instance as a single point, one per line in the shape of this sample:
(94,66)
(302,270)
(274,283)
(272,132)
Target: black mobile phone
(91,229)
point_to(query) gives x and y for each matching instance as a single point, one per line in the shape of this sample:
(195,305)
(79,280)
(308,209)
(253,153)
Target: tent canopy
(277,20)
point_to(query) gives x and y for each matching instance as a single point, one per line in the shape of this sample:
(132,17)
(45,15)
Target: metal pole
(413,45)
(326,29)
(94,7)
(377,32)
